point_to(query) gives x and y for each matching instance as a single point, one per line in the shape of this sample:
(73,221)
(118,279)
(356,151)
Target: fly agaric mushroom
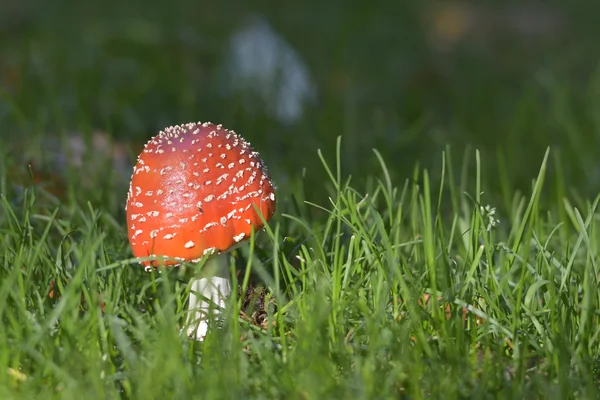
(197,190)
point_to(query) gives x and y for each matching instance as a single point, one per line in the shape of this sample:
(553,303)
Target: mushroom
(197,190)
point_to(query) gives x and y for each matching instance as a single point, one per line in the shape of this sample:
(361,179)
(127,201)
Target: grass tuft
(388,290)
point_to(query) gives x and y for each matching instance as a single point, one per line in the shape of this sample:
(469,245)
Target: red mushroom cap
(194,191)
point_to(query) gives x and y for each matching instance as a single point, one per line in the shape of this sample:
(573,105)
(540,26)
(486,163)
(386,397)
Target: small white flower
(488,213)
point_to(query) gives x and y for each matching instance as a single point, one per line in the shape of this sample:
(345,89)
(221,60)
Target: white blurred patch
(95,155)
(261,63)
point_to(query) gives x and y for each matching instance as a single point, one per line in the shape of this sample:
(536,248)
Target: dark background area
(405,77)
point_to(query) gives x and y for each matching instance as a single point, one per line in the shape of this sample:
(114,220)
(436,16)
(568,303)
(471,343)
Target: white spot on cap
(209,225)
(221,178)
(239,237)
(189,245)
(209,250)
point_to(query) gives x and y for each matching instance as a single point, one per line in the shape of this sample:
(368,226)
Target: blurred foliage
(405,77)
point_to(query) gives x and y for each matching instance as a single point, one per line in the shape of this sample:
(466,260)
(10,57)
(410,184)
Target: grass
(390,290)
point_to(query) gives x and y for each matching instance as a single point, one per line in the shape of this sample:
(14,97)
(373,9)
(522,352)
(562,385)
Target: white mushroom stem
(208,295)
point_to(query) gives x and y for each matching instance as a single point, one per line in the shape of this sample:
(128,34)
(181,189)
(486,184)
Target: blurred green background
(405,77)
